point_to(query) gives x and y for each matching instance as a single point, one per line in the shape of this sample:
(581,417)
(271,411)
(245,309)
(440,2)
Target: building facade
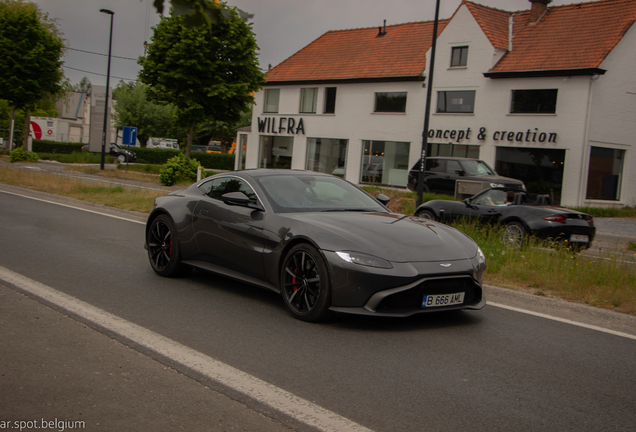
(545,95)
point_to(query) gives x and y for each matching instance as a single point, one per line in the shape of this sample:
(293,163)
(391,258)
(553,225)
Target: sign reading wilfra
(285,125)
(512,136)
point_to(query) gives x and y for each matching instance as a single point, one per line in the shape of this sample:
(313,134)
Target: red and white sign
(36,130)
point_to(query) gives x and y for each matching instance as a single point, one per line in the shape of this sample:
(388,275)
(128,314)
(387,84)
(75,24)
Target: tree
(31,47)
(84,86)
(224,132)
(208,73)
(200,12)
(132,108)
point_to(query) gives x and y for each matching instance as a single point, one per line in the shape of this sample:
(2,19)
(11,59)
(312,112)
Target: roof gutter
(545,73)
(345,81)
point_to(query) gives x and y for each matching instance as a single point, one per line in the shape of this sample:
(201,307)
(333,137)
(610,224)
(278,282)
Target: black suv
(441,174)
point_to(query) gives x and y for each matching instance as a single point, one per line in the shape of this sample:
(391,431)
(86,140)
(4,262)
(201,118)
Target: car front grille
(411,299)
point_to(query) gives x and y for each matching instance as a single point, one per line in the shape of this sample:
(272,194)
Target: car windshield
(477,168)
(307,193)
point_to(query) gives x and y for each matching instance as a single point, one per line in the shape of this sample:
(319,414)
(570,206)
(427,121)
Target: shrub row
(45,146)
(219,161)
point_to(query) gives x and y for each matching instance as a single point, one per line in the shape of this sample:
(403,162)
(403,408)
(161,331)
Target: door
(229,235)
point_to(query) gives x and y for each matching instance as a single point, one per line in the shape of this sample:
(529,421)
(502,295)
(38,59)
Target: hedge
(220,161)
(45,146)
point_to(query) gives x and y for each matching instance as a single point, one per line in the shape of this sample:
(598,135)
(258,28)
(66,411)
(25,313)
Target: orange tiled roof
(576,36)
(359,54)
(493,22)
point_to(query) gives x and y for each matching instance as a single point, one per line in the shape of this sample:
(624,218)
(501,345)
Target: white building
(545,95)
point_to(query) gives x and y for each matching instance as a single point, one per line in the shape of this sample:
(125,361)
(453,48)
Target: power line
(106,55)
(95,73)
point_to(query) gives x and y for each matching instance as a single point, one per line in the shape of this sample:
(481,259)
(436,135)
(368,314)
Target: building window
(540,169)
(330,100)
(534,101)
(275,152)
(455,150)
(385,163)
(327,155)
(271,100)
(605,174)
(390,102)
(456,101)
(308,99)
(459,56)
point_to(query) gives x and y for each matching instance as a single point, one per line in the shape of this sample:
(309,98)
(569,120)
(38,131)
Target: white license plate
(443,300)
(579,238)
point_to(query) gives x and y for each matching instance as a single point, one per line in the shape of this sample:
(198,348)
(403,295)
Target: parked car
(121,154)
(320,241)
(441,174)
(520,212)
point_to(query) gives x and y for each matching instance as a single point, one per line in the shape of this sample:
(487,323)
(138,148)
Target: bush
(154,156)
(178,168)
(45,146)
(220,161)
(21,155)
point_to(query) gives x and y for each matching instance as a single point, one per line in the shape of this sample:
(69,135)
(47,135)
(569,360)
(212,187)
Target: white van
(163,143)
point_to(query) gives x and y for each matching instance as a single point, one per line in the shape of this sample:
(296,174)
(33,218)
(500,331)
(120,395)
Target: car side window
(220,186)
(436,165)
(452,167)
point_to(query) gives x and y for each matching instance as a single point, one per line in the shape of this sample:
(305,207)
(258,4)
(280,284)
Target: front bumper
(400,291)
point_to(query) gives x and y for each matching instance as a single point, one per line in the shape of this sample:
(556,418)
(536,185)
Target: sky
(282,27)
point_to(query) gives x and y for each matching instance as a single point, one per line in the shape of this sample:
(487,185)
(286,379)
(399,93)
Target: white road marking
(563,320)
(259,390)
(73,207)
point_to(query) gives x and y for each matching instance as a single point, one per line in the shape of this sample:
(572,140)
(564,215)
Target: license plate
(443,300)
(579,238)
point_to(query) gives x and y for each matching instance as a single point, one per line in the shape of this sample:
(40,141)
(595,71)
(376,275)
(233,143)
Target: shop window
(390,102)
(385,163)
(308,99)
(540,169)
(327,155)
(271,100)
(459,56)
(455,150)
(275,152)
(605,174)
(330,100)
(456,101)
(534,101)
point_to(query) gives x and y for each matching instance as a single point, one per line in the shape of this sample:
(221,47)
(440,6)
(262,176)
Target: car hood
(390,236)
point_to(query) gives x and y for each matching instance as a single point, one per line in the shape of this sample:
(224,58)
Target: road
(494,369)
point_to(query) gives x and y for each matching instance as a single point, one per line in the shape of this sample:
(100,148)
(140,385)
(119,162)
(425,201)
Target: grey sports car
(320,241)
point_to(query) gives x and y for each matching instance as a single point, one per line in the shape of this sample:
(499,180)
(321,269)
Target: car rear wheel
(426,214)
(305,284)
(163,248)
(514,234)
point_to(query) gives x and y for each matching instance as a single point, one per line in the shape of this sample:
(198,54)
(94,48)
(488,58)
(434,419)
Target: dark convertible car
(320,241)
(520,212)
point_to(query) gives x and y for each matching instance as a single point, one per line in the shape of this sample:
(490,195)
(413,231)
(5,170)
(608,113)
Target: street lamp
(110,44)
(427,114)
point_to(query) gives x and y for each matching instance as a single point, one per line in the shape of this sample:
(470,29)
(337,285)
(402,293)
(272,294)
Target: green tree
(208,73)
(84,86)
(223,131)
(199,12)
(132,108)
(31,47)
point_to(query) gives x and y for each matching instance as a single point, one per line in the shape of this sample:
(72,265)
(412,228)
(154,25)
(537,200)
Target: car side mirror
(460,173)
(235,198)
(383,199)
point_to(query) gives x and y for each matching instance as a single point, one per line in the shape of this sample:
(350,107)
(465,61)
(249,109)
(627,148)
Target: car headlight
(479,262)
(364,259)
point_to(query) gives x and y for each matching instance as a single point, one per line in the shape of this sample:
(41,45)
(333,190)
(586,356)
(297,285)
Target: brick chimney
(539,8)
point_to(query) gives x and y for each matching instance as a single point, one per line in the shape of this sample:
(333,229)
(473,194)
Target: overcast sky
(282,27)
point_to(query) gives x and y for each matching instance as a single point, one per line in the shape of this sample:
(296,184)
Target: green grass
(76,157)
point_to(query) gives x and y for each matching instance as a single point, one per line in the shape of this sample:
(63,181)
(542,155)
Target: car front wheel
(426,214)
(305,284)
(163,248)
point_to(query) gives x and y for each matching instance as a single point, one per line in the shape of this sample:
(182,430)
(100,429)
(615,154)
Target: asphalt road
(494,369)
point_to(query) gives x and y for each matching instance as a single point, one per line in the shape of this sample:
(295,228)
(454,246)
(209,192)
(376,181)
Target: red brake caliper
(295,280)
